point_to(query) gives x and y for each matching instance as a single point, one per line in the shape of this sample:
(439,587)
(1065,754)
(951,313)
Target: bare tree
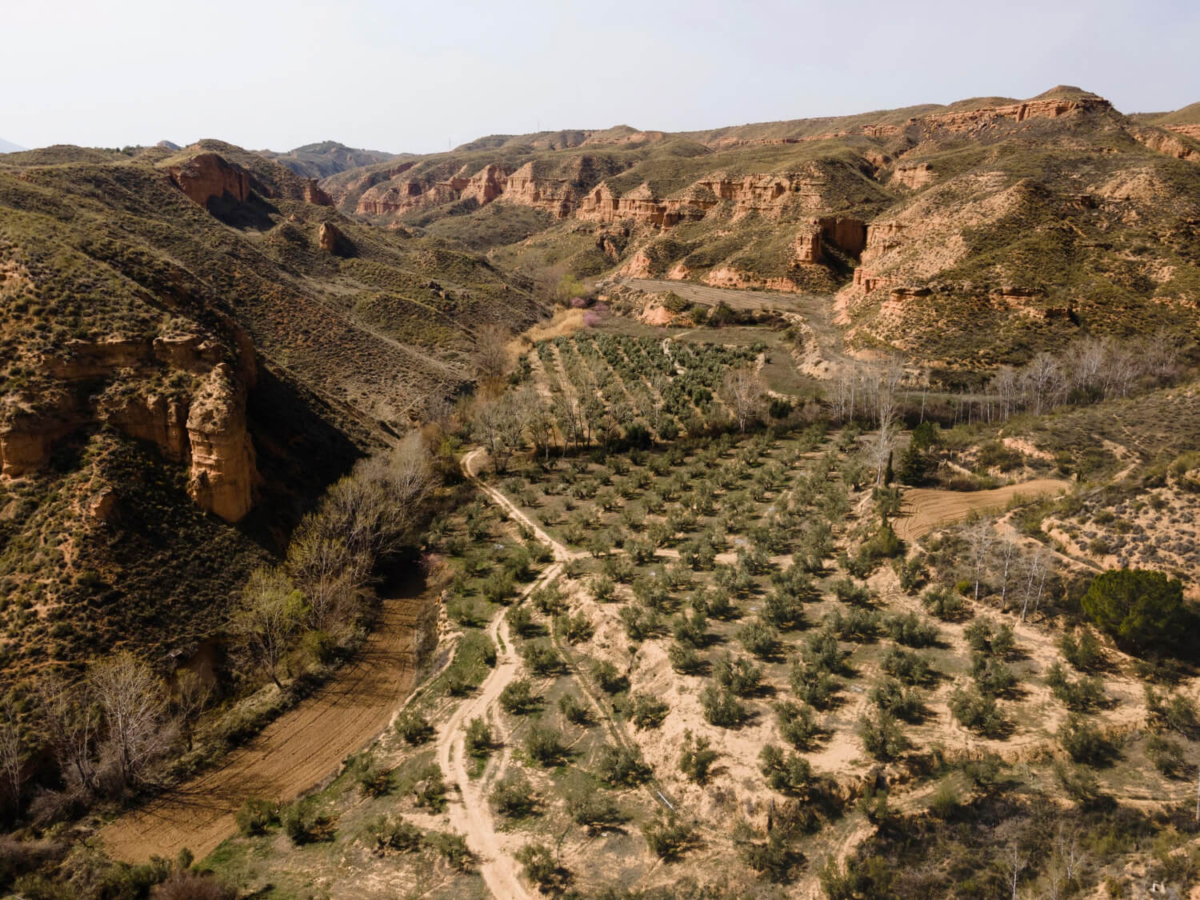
(744,392)
(981,539)
(491,351)
(269,617)
(1015,862)
(319,565)
(192,695)
(12,754)
(68,713)
(1008,552)
(133,707)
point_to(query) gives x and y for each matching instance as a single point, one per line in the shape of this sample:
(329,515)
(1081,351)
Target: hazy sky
(413,76)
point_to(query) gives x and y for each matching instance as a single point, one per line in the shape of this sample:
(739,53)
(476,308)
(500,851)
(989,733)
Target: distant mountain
(9,147)
(326,158)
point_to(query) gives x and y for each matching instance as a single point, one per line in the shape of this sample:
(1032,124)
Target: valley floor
(294,753)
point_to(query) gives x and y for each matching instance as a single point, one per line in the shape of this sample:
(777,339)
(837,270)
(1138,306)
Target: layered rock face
(222,456)
(204,429)
(1052,108)
(848,235)
(1165,142)
(207,176)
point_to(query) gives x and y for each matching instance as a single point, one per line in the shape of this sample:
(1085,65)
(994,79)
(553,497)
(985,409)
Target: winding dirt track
(292,754)
(470,813)
(925,509)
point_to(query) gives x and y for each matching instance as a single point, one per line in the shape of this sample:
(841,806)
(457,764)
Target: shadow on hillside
(254,214)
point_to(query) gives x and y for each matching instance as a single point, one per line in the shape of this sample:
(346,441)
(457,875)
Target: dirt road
(292,754)
(925,509)
(470,812)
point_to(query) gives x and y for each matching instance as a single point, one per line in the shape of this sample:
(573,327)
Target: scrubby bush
(513,796)
(1080,695)
(254,817)
(737,674)
(882,736)
(429,789)
(478,741)
(622,767)
(892,697)
(944,604)
(697,758)
(517,698)
(788,773)
(385,833)
(545,745)
(667,836)
(540,867)
(1084,741)
(574,710)
(977,711)
(1166,754)
(992,676)
(721,707)
(911,630)
(906,666)
(591,808)
(301,822)
(647,711)
(985,636)
(759,639)
(541,658)
(608,678)
(413,727)
(1082,650)
(797,724)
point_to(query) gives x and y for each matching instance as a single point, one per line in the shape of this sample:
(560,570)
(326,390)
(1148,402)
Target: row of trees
(105,732)
(1089,370)
(316,597)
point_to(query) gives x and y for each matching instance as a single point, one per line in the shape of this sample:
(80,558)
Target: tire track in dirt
(291,755)
(925,509)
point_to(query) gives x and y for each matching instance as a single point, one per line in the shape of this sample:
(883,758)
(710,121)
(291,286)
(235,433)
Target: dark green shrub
(1143,611)
(413,727)
(697,758)
(513,796)
(721,707)
(1084,741)
(254,817)
(977,711)
(647,711)
(882,736)
(667,836)
(788,773)
(622,767)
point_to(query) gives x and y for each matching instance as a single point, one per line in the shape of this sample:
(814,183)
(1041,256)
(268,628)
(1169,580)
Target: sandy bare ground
(925,509)
(292,754)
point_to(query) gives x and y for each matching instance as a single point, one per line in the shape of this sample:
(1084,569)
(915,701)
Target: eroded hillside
(208,312)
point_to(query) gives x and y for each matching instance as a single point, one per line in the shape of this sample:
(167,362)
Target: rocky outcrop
(208,176)
(881,238)
(868,281)
(313,194)
(331,239)
(1192,131)
(914,176)
(985,116)
(554,195)
(485,185)
(83,360)
(222,456)
(204,428)
(1165,142)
